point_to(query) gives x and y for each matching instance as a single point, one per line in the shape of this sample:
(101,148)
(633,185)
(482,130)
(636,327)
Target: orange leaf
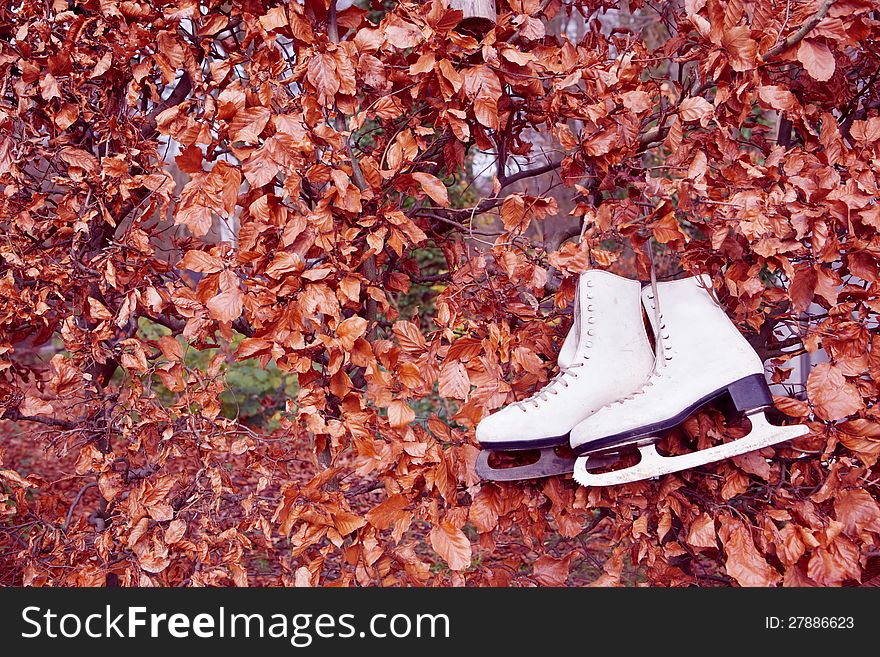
(400,414)
(550,571)
(226,306)
(433,187)
(832,396)
(202,262)
(452,545)
(248,124)
(744,563)
(454,381)
(779,98)
(696,109)
(322,74)
(409,337)
(350,330)
(858,511)
(817,59)
(388,512)
(740,47)
(702,532)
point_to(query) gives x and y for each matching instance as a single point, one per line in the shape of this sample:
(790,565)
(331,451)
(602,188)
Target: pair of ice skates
(613,391)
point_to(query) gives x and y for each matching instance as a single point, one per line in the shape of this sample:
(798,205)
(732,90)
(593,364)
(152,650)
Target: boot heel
(750,394)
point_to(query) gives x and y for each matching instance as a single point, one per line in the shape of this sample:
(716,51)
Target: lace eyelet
(591,332)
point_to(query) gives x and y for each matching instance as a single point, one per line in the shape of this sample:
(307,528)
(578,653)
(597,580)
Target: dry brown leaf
(452,545)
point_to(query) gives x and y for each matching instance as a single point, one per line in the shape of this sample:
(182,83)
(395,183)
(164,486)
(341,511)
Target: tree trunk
(479,15)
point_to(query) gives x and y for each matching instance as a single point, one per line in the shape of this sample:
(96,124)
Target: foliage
(742,136)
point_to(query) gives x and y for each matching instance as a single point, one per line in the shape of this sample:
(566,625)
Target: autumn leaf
(454,381)
(483,511)
(202,262)
(803,287)
(433,187)
(197,218)
(550,571)
(817,59)
(77,157)
(858,511)
(226,306)
(410,337)
(695,109)
(832,396)
(175,531)
(11,477)
(741,48)
(743,561)
(388,512)
(777,97)
(322,74)
(701,533)
(452,545)
(350,330)
(248,124)
(400,414)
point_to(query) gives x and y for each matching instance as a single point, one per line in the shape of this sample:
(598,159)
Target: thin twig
(799,35)
(76,500)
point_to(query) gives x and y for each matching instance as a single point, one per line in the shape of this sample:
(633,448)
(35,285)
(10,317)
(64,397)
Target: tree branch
(16,416)
(76,500)
(181,91)
(529,173)
(796,37)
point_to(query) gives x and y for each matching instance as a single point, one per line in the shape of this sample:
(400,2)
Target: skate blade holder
(549,464)
(653,464)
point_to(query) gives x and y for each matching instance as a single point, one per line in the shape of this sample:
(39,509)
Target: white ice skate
(605,356)
(701,358)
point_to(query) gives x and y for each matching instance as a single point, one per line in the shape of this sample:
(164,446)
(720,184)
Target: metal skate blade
(549,464)
(652,464)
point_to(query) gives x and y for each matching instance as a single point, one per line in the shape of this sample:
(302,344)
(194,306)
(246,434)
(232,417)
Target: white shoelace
(550,388)
(660,338)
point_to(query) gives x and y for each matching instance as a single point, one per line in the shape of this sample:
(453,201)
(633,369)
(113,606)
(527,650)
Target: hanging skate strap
(658,332)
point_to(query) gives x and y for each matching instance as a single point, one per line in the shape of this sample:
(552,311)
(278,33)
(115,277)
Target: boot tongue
(569,351)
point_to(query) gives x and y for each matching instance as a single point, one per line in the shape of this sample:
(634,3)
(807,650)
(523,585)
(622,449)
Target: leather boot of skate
(605,356)
(701,358)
